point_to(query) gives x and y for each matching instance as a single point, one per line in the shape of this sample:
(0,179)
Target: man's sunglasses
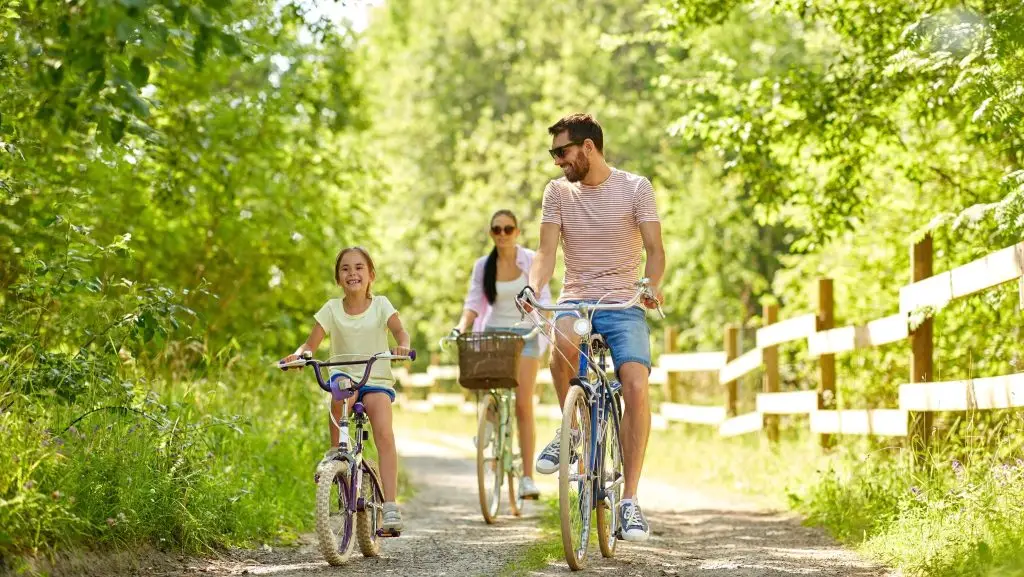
(508,228)
(559,151)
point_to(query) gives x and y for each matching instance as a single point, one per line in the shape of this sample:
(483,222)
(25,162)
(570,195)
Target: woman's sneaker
(527,489)
(547,461)
(392,518)
(631,519)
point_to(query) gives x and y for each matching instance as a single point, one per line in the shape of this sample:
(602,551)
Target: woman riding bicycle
(490,306)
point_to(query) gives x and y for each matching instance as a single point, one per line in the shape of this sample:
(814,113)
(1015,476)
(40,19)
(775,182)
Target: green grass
(941,520)
(184,465)
(948,520)
(546,549)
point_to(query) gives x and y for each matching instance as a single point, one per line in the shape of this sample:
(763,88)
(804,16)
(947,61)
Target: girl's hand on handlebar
(401,351)
(289,359)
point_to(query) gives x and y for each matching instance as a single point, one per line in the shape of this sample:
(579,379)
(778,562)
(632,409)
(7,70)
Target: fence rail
(919,301)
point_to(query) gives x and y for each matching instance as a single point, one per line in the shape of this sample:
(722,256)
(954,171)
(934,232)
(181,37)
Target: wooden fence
(919,397)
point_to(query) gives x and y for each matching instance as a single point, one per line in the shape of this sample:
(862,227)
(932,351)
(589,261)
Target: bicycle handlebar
(643,291)
(307,360)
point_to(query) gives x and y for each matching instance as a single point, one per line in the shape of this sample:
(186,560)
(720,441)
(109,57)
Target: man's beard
(577,171)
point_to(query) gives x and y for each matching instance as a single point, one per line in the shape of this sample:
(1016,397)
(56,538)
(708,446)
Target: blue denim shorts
(626,333)
(532,348)
(367,389)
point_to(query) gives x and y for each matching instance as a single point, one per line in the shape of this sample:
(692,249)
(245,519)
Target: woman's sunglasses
(508,228)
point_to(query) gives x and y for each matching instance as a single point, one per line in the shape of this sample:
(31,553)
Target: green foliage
(164,462)
(150,152)
(962,517)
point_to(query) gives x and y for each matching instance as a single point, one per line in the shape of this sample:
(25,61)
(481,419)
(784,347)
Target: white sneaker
(634,525)
(527,489)
(547,462)
(392,518)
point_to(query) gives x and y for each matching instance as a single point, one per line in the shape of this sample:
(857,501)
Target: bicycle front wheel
(334,518)
(575,486)
(489,446)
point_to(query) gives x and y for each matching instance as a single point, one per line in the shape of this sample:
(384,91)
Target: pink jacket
(476,300)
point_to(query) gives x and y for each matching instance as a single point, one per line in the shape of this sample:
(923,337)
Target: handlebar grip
(412,354)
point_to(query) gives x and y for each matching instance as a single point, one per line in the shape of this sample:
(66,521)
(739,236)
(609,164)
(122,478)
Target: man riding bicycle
(605,219)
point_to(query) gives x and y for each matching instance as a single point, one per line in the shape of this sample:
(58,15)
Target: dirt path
(693,535)
(709,539)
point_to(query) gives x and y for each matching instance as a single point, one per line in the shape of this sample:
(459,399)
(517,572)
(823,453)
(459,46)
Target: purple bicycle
(349,494)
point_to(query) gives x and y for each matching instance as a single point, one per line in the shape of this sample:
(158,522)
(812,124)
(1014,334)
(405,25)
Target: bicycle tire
(489,447)
(575,486)
(334,527)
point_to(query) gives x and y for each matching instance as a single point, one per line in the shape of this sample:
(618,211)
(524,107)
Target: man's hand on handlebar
(658,297)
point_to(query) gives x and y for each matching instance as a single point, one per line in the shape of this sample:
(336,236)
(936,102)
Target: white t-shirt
(364,334)
(504,313)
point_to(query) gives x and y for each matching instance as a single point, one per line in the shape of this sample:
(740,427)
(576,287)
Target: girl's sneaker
(392,518)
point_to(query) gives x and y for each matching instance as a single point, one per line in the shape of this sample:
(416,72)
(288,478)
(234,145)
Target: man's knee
(634,379)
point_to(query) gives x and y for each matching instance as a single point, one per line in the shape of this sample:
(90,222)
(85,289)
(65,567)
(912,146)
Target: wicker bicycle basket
(489,360)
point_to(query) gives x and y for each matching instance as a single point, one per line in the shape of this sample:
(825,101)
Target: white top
(364,334)
(504,313)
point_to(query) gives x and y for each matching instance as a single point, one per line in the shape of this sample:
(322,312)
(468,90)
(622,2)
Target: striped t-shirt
(600,233)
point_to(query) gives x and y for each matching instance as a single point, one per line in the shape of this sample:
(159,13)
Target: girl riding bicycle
(490,306)
(357,325)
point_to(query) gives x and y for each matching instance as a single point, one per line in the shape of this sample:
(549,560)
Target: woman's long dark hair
(491,267)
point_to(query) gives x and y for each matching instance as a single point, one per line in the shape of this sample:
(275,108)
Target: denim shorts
(531,349)
(366,389)
(625,331)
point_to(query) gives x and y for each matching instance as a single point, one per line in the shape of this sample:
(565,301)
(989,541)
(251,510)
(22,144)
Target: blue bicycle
(590,475)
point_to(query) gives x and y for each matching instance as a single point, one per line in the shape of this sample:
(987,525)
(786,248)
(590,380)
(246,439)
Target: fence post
(826,363)
(921,347)
(770,357)
(730,354)
(672,379)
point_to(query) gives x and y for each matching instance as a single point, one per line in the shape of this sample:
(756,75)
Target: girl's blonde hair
(369,265)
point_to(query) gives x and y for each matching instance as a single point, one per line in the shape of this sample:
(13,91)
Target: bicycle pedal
(385,534)
(531,497)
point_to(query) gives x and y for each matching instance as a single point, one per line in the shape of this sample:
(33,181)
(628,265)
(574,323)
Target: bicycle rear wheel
(371,516)
(611,482)
(334,520)
(489,446)
(575,486)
